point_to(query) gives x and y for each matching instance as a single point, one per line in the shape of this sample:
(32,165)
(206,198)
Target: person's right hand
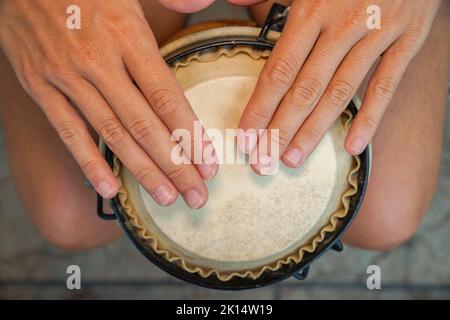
(92,70)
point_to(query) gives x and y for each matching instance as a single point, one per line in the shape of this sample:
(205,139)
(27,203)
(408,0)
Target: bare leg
(48,180)
(407,146)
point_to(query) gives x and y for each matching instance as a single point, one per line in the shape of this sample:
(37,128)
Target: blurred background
(32,269)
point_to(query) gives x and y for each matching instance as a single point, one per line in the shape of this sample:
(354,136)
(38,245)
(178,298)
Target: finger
(309,86)
(380,92)
(264,158)
(105,122)
(168,101)
(76,137)
(301,32)
(153,136)
(343,86)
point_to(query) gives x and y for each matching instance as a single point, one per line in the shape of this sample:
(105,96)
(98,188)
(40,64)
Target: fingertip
(246,140)
(215,170)
(355,145)
(208,171)
(174,199)
(255,168)
(165,195)
(210,165)
(266,166)
(289,164)
(292,158)
(202,204)
(194,198)
(106,189)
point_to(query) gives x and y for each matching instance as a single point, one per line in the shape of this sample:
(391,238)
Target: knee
(70,226)
(394,206)
(385,227)
(61,228)
(63,240)
(389,237)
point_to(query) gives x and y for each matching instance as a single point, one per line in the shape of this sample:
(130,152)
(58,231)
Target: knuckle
(405,47)
(310,9)
(145,173)
(281,138)
(368,122)
(340,93)
(258,115)
(91,58)
(178,173)
(126,29)
(164,101)
(57,69)
(415,31)
(142,130)
(31,82)
(90,166)
(305,93)
(311,133)
(69,134)
(355,17)
(120,26)
(384,88)
(112,132)
(281,72)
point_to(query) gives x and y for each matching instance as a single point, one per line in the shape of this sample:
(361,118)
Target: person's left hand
(320,60)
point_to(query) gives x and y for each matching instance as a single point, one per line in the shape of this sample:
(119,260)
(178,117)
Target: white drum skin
(249,220)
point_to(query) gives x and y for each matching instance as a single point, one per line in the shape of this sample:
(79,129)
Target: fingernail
(208,171)
(105,190)
(357,145)
(164,195)
(194,199)
(265,165)
(265,160)
(246,141)
(293,157)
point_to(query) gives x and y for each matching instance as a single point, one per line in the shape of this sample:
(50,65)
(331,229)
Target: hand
(323,55)
(88,74)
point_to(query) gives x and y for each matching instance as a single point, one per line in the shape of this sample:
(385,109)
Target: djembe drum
(254,230)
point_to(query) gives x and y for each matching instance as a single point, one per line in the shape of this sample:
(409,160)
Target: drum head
(250,223)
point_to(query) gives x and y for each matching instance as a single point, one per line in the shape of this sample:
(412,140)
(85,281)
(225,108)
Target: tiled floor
(29,268)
